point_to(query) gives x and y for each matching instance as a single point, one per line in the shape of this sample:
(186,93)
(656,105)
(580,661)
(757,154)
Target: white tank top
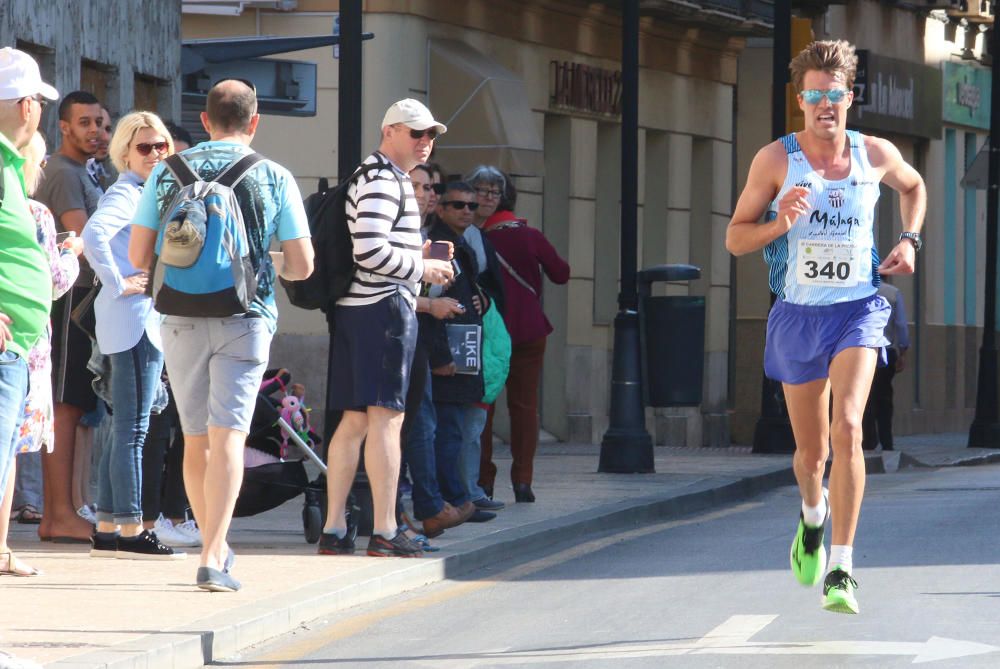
(828,256)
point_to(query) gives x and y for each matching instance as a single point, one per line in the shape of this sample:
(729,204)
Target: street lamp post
(985,429)
(627,447)
(773,432)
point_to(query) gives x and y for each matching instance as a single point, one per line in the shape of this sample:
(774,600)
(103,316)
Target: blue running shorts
(802,339)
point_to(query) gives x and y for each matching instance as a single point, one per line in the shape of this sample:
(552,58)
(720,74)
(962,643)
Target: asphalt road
(712,590)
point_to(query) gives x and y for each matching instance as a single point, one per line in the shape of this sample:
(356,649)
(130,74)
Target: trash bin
(672,339)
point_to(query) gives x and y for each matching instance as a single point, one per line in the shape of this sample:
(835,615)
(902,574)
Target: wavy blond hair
(125,131)
(830,56)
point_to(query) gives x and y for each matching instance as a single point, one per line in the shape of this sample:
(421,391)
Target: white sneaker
(190,530)
(170,535)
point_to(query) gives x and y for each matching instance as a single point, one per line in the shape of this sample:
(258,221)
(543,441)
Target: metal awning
(485,107)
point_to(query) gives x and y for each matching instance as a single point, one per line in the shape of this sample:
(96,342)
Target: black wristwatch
(913,237)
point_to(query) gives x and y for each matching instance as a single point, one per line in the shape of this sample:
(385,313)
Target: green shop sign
(966,95)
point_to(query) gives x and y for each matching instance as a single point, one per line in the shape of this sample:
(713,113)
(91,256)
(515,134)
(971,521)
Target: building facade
(532,87)
(125,52)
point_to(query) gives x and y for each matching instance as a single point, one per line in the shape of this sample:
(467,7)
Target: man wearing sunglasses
(375,329)
(816,191)
(25,280)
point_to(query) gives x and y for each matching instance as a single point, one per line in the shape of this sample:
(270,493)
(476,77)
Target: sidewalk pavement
(88,613)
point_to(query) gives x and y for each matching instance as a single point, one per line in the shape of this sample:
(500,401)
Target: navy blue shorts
(802,340)
(372,353)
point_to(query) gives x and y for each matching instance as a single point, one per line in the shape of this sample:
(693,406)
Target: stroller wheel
(312,522)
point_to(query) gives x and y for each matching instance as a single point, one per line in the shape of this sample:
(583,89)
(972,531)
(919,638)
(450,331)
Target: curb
(226,634)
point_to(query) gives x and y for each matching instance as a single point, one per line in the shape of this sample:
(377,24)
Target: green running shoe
(838,592)
(808,555)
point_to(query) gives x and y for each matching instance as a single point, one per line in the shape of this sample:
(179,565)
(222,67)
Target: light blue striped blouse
(121,320)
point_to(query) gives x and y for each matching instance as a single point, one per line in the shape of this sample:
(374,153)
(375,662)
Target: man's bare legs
(60,518)
(342,465)
(382,457)
(851,375)
(808,408)
(213,474)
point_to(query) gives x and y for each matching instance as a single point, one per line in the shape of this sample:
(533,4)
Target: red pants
(522,402)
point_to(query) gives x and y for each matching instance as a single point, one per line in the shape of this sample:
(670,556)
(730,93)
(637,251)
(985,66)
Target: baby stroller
(278,443)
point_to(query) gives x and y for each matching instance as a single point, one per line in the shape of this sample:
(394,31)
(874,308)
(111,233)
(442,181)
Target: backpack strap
(238,169)
(181,169)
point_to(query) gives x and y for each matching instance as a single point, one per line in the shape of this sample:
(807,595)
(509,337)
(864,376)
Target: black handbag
(83,313)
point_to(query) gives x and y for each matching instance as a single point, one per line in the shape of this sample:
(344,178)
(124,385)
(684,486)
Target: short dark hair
(178,133)
(230,110)
(459,187)
(75,98)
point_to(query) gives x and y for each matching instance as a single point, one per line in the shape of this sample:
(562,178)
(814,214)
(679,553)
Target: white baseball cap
(20,78)
(412,114)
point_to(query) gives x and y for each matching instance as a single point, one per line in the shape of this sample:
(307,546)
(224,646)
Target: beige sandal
(11,568)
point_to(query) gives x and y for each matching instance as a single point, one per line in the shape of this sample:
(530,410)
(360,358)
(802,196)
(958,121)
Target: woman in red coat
(524,254)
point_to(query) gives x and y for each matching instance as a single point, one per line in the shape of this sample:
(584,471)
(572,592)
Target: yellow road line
(298,649)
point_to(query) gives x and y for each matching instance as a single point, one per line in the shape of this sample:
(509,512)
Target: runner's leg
(808,409)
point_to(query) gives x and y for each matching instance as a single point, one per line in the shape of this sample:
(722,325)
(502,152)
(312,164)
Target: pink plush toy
(293,414)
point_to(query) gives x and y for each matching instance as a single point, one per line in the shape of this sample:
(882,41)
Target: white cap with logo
(412,114)
(20,78)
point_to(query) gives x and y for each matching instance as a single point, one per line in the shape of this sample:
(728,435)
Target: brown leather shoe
(447,517)
(465,511)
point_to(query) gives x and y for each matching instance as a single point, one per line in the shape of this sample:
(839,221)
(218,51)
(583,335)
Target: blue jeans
(135,376)
(13,394)
(418,454)
(449,440)
(28,484)
(468,459)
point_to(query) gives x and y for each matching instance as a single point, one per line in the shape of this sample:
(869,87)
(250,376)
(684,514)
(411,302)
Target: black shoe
(522,493)
(104,545)
(487,504)
(399,546)
(481,517)
(146,547)
(331,544)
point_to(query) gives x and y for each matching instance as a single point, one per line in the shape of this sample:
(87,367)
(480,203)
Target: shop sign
(901,98)
(585,88)
(967,91)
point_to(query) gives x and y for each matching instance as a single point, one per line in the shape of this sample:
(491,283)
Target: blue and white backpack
(203,266)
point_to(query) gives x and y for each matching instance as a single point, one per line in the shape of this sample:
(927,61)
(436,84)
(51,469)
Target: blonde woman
(128,332)
(36,427)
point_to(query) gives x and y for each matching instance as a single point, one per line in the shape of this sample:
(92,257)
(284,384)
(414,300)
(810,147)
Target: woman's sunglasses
(834,95)
(145,148)
(461,204)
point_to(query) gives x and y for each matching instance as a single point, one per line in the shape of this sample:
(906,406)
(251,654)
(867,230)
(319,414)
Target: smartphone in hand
(440,251)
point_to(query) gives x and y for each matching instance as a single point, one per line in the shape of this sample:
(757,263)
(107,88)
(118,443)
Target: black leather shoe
(522,493)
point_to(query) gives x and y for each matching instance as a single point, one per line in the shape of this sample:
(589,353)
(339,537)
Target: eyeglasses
(834,95)
(460,204)
(488,192)
(430,132)
(145,148)
(37,98)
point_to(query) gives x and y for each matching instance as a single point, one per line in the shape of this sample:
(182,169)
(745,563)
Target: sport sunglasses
(834,95)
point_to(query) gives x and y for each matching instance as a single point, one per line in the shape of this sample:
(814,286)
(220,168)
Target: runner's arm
(745,233)
(903,178)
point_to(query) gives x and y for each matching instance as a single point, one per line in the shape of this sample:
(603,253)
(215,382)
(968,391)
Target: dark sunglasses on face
(145,149)
(430,132)
(834,95)
(461,204)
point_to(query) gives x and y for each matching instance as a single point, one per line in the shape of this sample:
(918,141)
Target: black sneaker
(331,544)
(146,547)
(399,546)
(104,545)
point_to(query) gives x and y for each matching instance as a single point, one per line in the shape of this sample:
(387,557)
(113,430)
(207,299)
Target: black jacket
(460,388)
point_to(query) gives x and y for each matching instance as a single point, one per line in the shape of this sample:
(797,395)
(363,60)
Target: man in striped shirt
(375,328)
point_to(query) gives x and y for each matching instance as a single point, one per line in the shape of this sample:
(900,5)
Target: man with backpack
(375,328)
(203,226)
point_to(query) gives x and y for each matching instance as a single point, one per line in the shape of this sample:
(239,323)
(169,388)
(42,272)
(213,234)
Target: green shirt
(25,279)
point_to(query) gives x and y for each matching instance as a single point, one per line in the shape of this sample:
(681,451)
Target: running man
(819,188)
